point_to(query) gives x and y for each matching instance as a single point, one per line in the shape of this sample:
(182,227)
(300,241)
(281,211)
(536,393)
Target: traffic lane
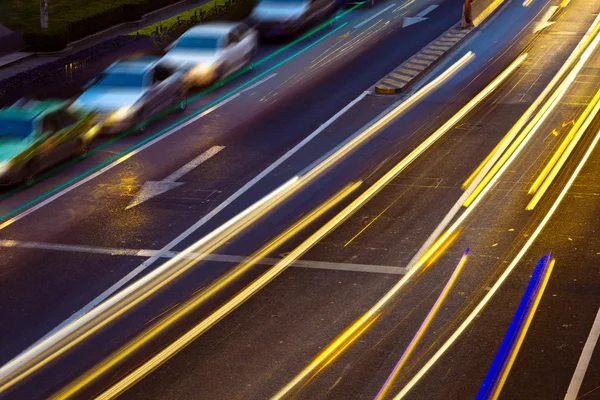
(399,222)
(267,88)
(459,366)
(269,133)
(487,251)
(32,307)
(567,311)
(270,57)
(241,363)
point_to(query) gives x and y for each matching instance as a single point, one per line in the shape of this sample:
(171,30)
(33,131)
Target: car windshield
(121,80)
(15,128)
(205,43)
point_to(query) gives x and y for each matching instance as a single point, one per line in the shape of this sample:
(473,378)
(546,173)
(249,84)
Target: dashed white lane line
(372,17)
(378,269)
(584,360)
(263,80)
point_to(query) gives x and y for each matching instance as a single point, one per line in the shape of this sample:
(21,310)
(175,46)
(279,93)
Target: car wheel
(83,149)
(219,75)
(182,102)
(141,121)
(29,173)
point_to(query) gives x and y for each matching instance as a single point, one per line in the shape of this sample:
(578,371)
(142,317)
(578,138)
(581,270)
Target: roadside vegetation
(71,20)
(166,31)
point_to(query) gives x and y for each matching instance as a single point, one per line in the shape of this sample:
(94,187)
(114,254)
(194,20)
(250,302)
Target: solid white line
(584,360)
(374,16)
(114,163)
(378,269)
(176,175)
(139,269)
(263,80)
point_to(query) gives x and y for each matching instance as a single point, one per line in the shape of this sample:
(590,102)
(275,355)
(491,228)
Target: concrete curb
(423,61)
(19,56)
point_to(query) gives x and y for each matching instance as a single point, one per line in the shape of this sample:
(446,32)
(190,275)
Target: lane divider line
(517,330)
(372,17)
(584,360)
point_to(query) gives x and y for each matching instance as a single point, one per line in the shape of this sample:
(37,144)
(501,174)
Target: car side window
(241,30)
(161,73)
(66,119)
(50,123)
(232,38)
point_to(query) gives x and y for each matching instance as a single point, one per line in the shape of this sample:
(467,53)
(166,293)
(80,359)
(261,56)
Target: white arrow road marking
(374,16)
(408,21)
(152,189)
(543,23)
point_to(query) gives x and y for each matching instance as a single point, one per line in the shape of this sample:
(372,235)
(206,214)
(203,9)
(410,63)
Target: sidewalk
(14,63)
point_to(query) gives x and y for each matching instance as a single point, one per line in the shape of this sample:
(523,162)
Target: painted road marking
(152,189)
(118,161)
(139,269)
(273,75)
(584,360)
(366,21)
(378,269)
(408,21)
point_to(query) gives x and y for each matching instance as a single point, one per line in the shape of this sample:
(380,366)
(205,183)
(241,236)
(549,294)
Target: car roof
(31,109)
(133,64)
(212,29)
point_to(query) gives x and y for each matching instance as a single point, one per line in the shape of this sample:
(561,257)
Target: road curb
(423,61)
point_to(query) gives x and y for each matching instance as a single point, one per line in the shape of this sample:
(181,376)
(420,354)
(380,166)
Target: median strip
(422,62)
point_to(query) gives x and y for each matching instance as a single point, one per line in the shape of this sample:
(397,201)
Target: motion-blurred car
(132,90)
(287,17)
(210,52)
(35,135)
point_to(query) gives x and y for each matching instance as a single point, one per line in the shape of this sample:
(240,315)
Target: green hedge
(164,32)
(80,26)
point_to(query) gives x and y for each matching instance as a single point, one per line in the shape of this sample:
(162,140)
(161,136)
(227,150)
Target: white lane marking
(420,17)
(544,22)
(263,80)
(127,278)
(379,269)
(114,163)
(584,360)
(152,189)
(372,17)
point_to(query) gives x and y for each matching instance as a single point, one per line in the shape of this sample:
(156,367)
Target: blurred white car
(132,90)
(211,51)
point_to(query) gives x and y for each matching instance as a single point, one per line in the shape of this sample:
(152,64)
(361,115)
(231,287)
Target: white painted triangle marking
(408,21)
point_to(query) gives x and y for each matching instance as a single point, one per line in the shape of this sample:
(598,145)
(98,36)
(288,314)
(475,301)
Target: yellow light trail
(82,328)
(424,326)
(530,129)
(477,310)
(527,3)
(342,339)
(73,388)
(521,337)
(560,157)
(74,333)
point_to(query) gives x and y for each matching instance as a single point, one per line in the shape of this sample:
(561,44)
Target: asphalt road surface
(86,227)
